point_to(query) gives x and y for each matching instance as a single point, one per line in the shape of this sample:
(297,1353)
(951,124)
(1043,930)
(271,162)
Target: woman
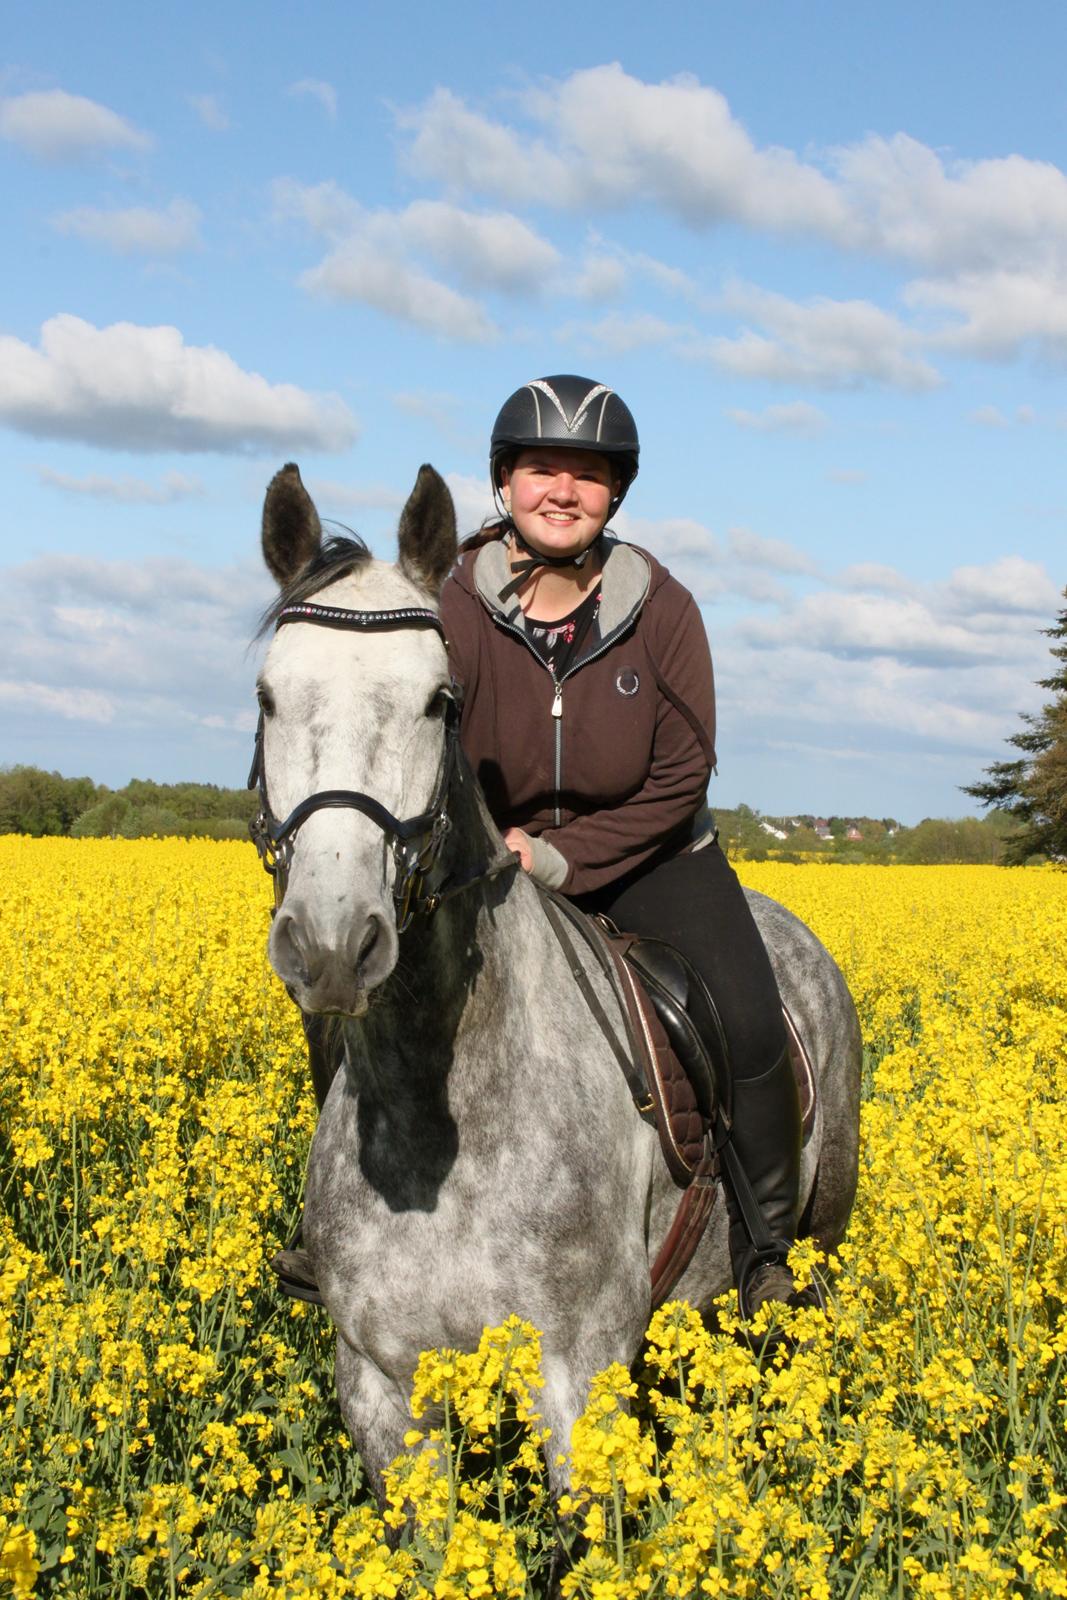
(588,716)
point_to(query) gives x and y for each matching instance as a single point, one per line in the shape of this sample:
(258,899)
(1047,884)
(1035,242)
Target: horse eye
(266,700)
(435,706)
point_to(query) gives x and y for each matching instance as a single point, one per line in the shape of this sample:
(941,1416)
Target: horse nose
(289,953)
(332,974)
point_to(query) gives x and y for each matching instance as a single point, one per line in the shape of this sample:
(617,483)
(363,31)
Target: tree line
(47,804)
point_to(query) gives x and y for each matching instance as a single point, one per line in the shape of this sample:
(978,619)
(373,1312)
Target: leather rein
(415,841)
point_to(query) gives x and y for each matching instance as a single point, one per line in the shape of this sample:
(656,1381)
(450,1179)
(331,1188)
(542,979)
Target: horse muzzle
(333,970)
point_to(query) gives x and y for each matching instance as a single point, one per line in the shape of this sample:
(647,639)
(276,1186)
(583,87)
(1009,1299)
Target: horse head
(355,741)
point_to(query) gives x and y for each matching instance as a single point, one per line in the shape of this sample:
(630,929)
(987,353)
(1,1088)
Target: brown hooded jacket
(607,767)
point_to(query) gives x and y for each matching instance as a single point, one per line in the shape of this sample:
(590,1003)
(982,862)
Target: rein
(415,841)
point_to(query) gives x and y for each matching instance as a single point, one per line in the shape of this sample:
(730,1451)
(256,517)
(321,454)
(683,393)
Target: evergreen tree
(1033,789)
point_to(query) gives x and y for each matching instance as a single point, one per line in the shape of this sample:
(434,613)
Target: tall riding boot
(296,1276)
(766,1140)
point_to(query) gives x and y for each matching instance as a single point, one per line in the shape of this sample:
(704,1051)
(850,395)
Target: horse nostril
(288,948)
(370,939)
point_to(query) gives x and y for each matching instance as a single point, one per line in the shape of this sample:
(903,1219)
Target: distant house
(822,828)
(853,833)
(776,833)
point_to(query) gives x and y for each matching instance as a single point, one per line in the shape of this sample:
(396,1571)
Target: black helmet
(569,411)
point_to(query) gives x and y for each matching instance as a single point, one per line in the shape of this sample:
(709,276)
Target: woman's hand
(519,842)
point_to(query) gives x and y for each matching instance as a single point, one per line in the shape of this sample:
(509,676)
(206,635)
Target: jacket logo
(627,682)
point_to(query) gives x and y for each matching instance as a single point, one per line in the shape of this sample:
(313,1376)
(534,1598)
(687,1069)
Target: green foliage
(37,803)
(42,803)
(1032,790)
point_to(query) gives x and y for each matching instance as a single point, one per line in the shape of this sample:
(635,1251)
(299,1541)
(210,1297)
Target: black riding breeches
(696,903)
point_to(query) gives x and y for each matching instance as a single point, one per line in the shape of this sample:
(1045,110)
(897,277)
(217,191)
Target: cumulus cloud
(69,702)
(357,271)
(988,417)
(999,313)
(610,139)
(143,388)
(137,230)
(379,257)
(621,331)
(211,112)
(795,417)
(56,126)
(829,344)
(754,550)
(908,202)
(486,250)
(129,647)
(473,499)
(332,497)
(324,93)
(126,490)
(601,137)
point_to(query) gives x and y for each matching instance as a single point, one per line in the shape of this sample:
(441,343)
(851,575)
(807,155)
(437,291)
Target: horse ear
(427,532)
(292,532)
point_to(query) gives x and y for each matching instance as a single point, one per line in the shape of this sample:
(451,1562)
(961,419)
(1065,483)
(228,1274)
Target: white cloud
(485,250)
(601,137)
(137,229)
(753,549)
(331,496)
(358,271)
(142,388)
(988,417)
(992,213)
(1001,312)
(324,93)
(473,499)
(1010,585)
(377,257)
(55,125)
(69,702)
(126,490)
(621,331)
(137,644)
(211,112)
(796,417)
(601,277)
(610,139)
(830,344)
(847,475)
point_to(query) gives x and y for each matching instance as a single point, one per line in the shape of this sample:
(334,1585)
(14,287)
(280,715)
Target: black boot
(296,1276)
(764,1194)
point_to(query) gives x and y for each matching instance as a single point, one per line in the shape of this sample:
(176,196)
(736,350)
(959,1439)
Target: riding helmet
(574,412)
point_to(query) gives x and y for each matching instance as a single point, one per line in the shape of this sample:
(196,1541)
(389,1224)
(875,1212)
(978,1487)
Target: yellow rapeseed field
(169,1427)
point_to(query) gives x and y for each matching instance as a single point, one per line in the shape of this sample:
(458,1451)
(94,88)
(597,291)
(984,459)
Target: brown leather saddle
(675,1061)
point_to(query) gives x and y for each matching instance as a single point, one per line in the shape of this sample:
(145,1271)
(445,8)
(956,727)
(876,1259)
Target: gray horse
(479,1153)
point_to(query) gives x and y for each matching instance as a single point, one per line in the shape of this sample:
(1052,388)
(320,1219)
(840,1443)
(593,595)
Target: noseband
(416,842)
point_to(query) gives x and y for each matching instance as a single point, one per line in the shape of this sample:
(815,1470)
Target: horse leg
(375,1413)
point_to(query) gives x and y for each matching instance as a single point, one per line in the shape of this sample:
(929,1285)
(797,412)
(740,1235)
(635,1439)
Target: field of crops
(168,1424)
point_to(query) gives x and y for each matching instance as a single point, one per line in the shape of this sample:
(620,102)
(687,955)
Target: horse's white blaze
(348,712)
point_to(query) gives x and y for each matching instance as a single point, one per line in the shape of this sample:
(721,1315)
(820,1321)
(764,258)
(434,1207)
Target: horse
(478,1153)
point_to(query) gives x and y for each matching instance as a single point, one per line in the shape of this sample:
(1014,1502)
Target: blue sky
(821,251)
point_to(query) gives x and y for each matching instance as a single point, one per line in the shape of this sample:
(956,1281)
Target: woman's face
(559,498)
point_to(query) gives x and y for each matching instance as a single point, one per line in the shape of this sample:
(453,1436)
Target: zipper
(557,685)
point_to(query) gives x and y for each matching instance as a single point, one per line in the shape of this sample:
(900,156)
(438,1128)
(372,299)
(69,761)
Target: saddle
(676,1064)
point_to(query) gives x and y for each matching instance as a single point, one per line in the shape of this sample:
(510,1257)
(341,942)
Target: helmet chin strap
(523,570)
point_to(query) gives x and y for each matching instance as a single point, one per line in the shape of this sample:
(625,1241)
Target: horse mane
(339,554)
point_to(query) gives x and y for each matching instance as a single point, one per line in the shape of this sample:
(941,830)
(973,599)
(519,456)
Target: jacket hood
(629,577)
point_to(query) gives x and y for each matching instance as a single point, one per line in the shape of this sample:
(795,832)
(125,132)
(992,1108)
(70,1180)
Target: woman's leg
(695,903)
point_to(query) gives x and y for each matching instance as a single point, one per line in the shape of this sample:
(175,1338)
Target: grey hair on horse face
(478,1153)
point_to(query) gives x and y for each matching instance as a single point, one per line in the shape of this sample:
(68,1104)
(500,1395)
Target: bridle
(416,841)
